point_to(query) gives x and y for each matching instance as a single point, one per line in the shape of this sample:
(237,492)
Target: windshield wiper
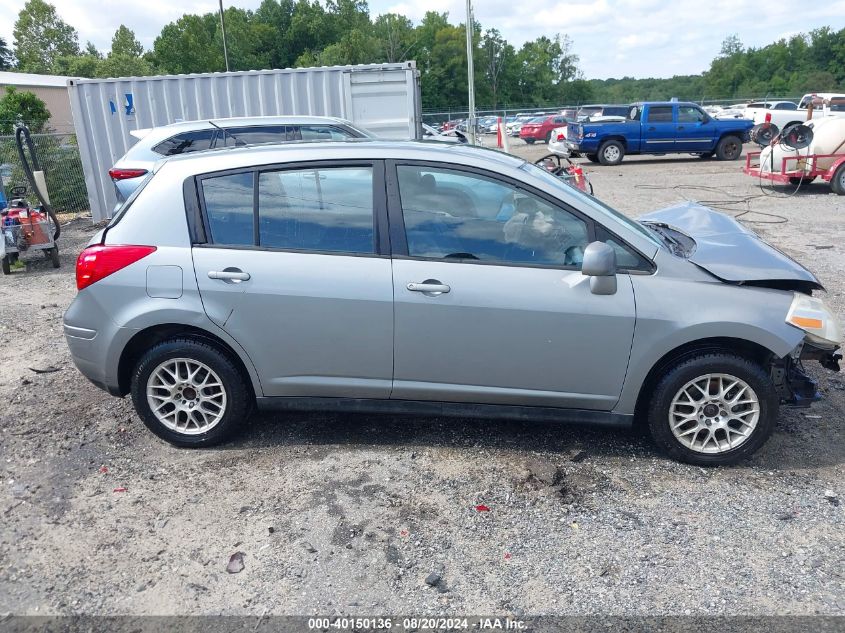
(664,232)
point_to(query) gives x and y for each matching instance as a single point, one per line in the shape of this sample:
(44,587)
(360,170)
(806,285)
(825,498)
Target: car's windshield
(593,203)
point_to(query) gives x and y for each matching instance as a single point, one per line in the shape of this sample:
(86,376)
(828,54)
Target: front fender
(672,313)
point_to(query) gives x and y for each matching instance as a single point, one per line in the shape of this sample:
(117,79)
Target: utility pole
(223,31)
(470,74)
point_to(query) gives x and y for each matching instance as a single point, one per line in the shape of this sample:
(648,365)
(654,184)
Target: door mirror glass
(600,265)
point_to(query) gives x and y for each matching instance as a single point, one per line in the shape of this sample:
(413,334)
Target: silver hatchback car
(442,279)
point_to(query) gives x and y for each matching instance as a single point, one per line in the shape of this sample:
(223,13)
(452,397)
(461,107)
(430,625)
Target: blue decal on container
(112,107)
(129,105)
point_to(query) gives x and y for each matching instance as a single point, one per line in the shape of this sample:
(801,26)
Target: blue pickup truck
(660,127)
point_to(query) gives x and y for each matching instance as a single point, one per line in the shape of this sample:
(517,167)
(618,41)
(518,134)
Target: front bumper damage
(791,381)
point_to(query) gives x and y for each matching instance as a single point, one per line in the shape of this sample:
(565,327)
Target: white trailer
(383,98)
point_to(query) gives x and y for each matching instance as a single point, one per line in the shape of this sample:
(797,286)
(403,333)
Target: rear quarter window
(196,141)
(228,209)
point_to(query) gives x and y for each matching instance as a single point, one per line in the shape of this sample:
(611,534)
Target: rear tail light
(561,137)
(99,261)
(123,174)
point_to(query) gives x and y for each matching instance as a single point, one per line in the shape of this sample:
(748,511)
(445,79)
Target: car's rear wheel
(7,266)
(593,158)
(530,141)
(729,148)
(189,393)
(611,153)
(548,138)
(713,409)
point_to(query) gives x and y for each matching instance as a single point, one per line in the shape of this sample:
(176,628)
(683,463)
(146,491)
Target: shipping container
(383,98)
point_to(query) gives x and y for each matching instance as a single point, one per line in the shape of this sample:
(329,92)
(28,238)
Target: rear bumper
(95,342)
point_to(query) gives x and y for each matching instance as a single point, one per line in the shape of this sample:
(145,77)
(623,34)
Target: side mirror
(600,265)
(706,119)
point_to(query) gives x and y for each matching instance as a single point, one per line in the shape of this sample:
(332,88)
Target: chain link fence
(58,155)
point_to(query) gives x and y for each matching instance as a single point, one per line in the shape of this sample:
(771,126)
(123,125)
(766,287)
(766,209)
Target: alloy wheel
(714,413)
(186,396)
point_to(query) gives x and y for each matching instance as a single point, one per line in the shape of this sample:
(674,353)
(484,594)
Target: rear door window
(195,141)
(320,209)
(660,114)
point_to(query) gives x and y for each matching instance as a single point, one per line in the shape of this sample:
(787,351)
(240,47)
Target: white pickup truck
(822,106)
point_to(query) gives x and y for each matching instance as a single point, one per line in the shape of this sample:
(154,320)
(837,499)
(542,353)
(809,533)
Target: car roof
(353,149)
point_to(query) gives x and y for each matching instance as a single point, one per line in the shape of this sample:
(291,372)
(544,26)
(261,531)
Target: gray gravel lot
(351,513)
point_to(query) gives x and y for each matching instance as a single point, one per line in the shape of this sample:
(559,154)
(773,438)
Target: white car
(557,142)
(824,104)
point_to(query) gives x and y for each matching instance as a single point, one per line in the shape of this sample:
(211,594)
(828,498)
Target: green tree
(78,65)
(124,42)
(249,42)
(123,66)
(189,45)
(355,47)
(276,15)
(545,66)
(7,58)
(22,107)
(41,37)
(498,63)
(396,35)
(91,50)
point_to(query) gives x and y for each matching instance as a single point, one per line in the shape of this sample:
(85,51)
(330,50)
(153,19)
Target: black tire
(7,267)
(837,183)
(53,254)
(593,158)
(548,138)
(729,148)
(530,141)
(677,376)
(614,149)
(798,180)
(239,397)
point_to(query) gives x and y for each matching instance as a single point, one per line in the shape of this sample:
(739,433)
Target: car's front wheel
(189,393)
(713,409)
(729,148)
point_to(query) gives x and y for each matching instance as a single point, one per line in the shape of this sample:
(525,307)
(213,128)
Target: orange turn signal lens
(807,322)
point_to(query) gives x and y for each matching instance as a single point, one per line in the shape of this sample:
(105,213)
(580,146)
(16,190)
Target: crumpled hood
(732,252)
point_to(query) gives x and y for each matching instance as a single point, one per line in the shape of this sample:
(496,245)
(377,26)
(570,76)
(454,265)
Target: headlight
(816,319)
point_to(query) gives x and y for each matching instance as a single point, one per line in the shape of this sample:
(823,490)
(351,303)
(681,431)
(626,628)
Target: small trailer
(801,169)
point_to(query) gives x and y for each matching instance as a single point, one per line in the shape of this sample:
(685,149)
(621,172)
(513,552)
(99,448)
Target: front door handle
(431,286)
(232,275)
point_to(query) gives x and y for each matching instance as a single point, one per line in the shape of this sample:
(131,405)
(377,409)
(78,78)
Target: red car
(540,129)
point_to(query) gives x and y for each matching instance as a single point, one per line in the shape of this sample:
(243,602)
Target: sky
(613,38)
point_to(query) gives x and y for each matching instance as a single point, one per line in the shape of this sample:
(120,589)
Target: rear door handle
(428,286)
(230,274)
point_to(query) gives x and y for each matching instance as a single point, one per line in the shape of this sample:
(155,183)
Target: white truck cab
(824,104)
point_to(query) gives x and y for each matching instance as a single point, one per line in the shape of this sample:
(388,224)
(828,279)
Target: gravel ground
(351,514)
